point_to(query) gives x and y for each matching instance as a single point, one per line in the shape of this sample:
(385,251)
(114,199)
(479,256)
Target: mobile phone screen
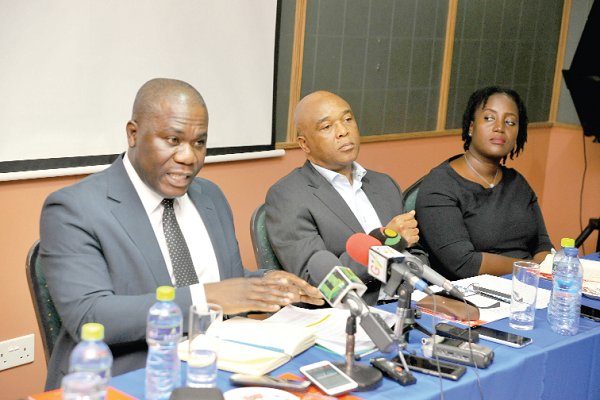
(327,376)
(424,363)
(429,366)
(499,336)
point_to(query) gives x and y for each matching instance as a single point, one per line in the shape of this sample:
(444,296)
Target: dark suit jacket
(103,263)
(306,214)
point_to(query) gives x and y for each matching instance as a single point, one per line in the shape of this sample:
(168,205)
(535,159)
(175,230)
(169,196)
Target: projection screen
(70,69)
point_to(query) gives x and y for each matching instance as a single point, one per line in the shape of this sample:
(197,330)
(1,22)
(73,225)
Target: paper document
(591,269)
(331,326)
(489,309)
(257,347)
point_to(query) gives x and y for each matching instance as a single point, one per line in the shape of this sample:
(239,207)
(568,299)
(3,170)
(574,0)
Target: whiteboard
(70,70)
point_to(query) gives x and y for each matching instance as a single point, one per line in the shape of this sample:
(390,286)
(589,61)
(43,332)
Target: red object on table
(111,394)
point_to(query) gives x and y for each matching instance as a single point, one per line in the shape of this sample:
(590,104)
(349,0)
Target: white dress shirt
(193,229)
(353,195)
(356,199)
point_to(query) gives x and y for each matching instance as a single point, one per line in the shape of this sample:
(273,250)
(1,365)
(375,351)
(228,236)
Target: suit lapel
(381,204)
(213,225)
(129,212)
(323,190)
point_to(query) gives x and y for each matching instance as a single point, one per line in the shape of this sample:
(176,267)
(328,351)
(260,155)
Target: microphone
(426,272)
(380,260)
(339,282)
(393,239)
(341,288)
(389,237)
(356,244)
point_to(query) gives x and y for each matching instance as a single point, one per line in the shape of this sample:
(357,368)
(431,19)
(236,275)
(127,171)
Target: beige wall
(552,163)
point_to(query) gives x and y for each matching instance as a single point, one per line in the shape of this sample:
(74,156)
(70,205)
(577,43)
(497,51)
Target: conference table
(551,367)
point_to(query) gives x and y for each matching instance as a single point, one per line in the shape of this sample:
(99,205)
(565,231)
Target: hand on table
(266,294)
(297,288)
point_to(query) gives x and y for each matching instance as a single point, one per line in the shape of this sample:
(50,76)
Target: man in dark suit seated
(104,251)
(331,197)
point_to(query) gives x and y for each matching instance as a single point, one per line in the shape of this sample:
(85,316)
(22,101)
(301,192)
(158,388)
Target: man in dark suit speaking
(107,242)
(331,197)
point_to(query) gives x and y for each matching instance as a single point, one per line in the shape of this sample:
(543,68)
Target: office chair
(409,196)
(48,319)
(265,256)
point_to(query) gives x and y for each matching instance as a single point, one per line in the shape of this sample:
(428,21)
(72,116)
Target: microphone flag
(379,260)
(336,285)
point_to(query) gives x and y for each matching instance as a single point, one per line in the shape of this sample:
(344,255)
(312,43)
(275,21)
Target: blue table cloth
(552,367)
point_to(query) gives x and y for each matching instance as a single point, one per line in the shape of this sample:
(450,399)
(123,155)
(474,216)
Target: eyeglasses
(475,289)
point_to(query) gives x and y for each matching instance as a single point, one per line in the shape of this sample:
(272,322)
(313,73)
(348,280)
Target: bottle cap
(165,293)
(571,251)
(92,331)
(567,242)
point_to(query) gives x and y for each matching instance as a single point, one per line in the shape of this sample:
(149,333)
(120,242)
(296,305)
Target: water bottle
(163,334)
(565,242)
(92,354)
(567,281)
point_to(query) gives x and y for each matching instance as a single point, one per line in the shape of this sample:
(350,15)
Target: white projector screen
(70,69)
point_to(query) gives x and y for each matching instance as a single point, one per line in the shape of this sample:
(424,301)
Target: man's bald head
(327,131)
(307,108)
(155,91)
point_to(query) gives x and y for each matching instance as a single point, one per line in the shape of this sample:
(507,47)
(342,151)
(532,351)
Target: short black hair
(479,99)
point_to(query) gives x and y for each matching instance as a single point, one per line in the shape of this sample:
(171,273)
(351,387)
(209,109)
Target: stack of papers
(591,269)
(257,347)
(330,324)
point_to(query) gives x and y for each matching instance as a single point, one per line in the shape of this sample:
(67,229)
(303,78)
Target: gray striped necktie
(181,260)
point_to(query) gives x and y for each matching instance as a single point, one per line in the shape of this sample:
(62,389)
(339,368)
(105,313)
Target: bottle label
(565,288)
(102,373)
(161,333)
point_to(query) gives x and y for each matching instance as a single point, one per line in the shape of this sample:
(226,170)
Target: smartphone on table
(328,378)
(429,366)
(590,313)
(506,338)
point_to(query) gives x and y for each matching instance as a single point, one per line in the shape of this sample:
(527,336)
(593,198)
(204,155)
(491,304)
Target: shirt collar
(150,199)
(358,172)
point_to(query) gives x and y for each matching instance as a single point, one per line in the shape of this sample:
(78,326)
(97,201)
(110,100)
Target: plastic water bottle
(92,354)
(163,334)
(567,281)
(565,242)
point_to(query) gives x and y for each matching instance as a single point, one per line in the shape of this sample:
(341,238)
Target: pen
(491,296)
(490,291)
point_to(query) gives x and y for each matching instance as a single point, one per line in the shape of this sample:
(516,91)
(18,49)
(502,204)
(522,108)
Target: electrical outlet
(17,351)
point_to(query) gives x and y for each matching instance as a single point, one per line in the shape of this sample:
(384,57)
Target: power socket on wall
(17,351)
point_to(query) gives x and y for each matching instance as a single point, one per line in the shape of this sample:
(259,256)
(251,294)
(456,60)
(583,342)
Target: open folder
(257,347)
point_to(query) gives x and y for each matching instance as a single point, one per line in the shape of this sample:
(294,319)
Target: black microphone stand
(405,315)
(367,377)
(593,225)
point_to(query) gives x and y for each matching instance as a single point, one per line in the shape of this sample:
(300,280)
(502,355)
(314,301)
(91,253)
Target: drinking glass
(526,276)
(203,351)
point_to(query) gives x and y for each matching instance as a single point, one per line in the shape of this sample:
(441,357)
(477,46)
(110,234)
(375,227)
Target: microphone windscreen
(320,264)
(358,246)
(338,283)
(389,237)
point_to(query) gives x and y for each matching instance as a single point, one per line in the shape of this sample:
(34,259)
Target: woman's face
(495,127)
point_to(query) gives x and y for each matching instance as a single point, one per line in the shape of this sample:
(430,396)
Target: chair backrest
(48,319)
(409,196)
(265,256)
